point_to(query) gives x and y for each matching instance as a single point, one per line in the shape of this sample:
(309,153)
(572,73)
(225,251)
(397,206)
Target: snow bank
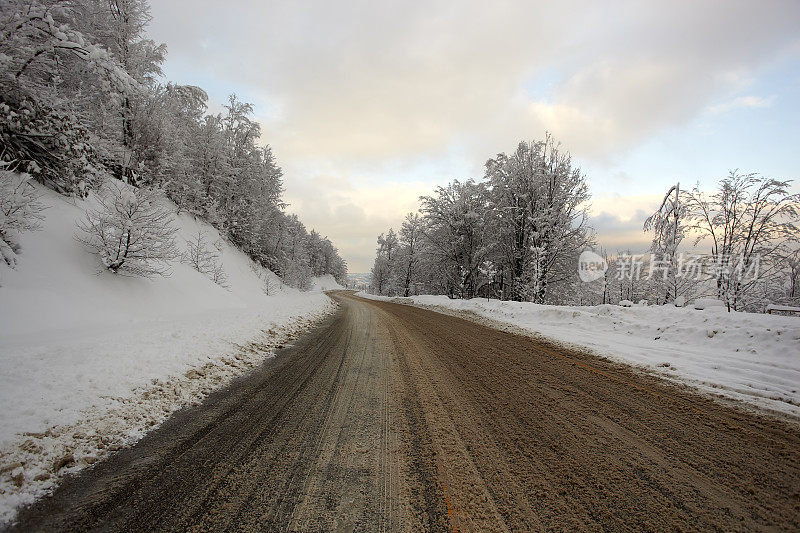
(90,360)
(325,283)
(745,356)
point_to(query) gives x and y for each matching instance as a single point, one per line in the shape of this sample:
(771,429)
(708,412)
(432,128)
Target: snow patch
(325,283)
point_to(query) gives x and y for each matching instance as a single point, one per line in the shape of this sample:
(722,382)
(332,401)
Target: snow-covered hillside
(325,283)
(745,356)
(90,360)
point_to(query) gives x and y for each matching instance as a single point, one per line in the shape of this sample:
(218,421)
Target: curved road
(390,417)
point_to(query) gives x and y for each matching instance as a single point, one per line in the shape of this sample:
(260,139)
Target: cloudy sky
(369,104)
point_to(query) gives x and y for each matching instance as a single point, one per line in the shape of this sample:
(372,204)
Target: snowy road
(390,417)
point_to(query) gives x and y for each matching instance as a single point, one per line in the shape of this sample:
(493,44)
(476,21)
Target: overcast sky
(370,104)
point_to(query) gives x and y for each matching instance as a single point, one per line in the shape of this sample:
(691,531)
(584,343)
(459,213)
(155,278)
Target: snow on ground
(744,356)
(89,361)
(325,283)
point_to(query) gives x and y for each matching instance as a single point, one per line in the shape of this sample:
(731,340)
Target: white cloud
(376,85)
(748,101)
(358,79)
(619,219)
(352,213)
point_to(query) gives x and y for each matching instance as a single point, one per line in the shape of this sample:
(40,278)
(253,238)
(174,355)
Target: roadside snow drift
(90,360)
(745,356)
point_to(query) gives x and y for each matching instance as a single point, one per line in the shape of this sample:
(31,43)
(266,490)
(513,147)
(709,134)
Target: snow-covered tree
(82,99)
(410,241)
(539,202)
(120,26)
(205,258)
(20,211)
(48,68)
(516,234)
(179,112)
(749,222)
(294,264)
(130,231)
(457,234)
(40,41)
(384,270)
(785,287)
(669,228)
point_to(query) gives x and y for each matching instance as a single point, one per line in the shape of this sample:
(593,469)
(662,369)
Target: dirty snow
(89,361)
(744,356)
